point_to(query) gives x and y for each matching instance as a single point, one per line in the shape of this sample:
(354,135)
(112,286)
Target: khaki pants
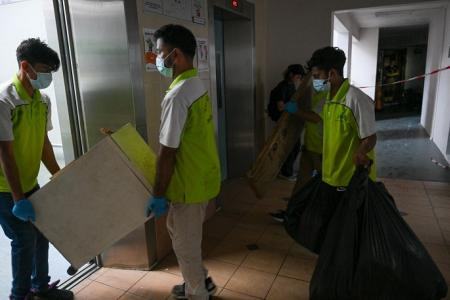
(185,226)
(309,161)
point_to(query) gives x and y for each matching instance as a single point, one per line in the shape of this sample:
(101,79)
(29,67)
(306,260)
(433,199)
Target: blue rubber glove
(158,206)
(291,107)
(23,209)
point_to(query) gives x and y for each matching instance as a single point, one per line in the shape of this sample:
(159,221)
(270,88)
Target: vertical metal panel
(239,82)
(103,69)
(239,95)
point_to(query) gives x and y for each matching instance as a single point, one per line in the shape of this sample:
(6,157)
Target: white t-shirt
(363,108)
(9,100)
(175,108)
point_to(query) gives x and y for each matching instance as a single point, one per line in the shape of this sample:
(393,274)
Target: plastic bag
(370,252)
(309,212)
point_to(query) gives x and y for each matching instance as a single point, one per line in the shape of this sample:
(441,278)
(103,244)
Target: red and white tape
(410,79)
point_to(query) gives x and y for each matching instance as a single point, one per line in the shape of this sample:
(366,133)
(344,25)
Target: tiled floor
(279,269)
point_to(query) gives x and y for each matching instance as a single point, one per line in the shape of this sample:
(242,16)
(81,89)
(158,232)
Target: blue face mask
(161,66)
(321,85)
(42,81)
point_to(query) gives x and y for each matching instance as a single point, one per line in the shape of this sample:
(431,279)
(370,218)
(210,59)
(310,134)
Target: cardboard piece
(280,144)
(99,198)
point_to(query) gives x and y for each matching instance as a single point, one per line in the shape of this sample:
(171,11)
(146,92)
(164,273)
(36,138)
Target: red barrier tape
(410,79)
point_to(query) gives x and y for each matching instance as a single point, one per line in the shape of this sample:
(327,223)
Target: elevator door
(234,49)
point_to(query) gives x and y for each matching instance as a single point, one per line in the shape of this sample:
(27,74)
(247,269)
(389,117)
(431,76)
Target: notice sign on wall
(202,54)
(199,11)
(153,6)
(180,9)
(149,49)
(189,10)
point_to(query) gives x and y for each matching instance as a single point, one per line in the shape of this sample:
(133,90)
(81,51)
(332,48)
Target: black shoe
(179,291)
(53,293)
(279,216)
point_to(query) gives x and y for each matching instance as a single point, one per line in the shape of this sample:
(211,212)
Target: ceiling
(393,16)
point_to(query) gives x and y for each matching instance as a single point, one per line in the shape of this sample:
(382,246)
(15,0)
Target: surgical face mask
(321,85)
(161,66)
(42,81)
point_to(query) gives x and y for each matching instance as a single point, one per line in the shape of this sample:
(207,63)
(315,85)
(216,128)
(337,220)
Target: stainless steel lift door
(234,69)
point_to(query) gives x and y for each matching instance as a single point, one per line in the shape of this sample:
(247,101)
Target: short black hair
(178,36)
(36,51)
(328,58)
(295,69)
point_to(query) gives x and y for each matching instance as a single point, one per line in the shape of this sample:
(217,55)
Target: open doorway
(235,84)
(37,25)
(386,45)
(402,54)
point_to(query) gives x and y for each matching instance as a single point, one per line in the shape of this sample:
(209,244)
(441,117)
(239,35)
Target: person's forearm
(48,157)
(164,171)
(367,144)
(10,170)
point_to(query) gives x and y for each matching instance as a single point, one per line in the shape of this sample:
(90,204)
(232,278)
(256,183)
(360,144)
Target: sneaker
(179,291)
(278,216)
(53,293)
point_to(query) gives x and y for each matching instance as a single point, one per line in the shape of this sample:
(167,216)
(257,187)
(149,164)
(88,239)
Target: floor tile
(121,279)
(442,213)
(220,271)
(169,265)
(99,291)
(80,286)
(277,241)
(288,289)
(265,259)
(445,270)
(411,209)
(251,282)
(230,295)
(155,285)
(298,251)
(439,253)
(245,234)
(218,226)
(298,268)
(230,251)
(98,273)
(440,201)
(129,296)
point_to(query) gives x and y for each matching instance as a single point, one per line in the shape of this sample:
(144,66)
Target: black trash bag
(309,212)
(370,252)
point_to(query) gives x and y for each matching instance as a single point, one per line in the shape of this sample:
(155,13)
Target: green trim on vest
(341,140)
(29,128)
(196,177)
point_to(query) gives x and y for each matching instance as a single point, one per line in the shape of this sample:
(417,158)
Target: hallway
(404,151)
(251,257)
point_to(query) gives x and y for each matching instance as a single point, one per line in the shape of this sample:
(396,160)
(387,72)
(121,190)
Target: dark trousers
(29,250)
(288,166)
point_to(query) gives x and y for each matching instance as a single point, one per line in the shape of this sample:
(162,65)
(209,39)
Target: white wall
(441,124)
(434,59)
(19,21)
(415,65)
(342,40)
(364,60)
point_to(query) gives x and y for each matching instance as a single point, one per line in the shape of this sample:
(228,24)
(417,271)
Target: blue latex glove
(158,206)
(291,107)
(23,209)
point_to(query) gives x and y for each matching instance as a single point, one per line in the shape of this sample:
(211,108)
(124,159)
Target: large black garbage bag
(309,212)
(370,252)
